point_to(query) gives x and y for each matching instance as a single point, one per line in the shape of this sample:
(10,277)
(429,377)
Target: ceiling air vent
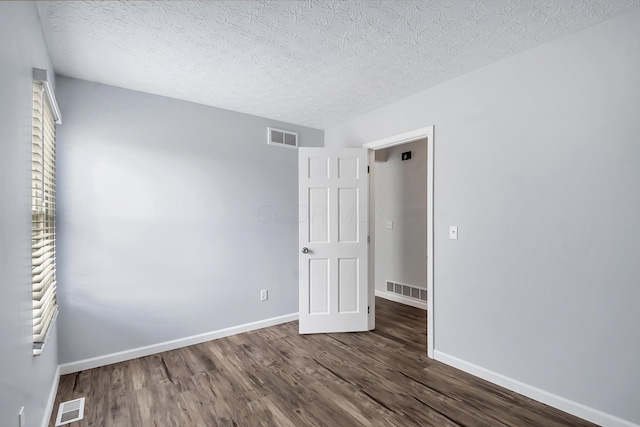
(70,411)
(282,138)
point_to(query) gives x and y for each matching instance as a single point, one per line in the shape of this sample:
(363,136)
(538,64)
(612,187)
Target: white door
(333,195)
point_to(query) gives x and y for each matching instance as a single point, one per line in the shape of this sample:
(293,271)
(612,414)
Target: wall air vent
(282,138)
(70,411)
(406,290)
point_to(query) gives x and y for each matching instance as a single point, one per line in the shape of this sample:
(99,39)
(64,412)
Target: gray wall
(401,197)
(537,160)
(25,380)
(172,217)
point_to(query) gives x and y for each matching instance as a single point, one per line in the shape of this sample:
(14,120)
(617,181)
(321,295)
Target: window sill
(38,348)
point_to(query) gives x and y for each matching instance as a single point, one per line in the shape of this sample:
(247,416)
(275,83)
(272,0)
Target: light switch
(389,225)
(453,232)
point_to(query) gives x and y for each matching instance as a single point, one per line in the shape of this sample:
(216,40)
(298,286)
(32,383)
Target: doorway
(380,147)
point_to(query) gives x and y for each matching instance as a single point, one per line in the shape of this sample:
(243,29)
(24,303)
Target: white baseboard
(48,410)
(402,299)
(122,356)
(558,402)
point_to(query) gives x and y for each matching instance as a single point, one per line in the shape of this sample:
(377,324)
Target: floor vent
(70,411)
(406,290)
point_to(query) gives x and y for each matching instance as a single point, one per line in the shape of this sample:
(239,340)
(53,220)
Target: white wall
(25,380)
(401,197)
(172,217)
(537,161)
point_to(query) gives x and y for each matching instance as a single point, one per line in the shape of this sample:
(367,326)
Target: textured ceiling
(313,63)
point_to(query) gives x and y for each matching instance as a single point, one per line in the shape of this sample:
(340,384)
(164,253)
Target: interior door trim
(414,135)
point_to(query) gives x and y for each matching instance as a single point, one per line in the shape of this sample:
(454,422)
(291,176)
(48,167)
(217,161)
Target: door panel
(318,218)
(318,286)
(333,193)
(347,275)
(348,214)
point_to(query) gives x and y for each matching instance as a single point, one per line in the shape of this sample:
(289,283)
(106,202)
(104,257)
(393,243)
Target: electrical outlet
(389,225)
(264,295)
(21,422)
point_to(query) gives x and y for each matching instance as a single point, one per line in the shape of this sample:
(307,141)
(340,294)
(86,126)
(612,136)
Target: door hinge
(368,309)
(368,239)
(367,169)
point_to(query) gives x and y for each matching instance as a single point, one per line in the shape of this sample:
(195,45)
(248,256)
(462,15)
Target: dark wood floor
(275,377)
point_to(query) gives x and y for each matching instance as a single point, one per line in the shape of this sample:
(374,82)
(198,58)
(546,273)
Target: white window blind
(43,211)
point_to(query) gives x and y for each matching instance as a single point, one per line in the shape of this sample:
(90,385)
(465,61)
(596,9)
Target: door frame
(414,135)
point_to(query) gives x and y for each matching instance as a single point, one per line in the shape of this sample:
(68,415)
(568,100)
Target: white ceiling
(314,63)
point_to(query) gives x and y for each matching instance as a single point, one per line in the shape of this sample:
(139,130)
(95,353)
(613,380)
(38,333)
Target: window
(43,209)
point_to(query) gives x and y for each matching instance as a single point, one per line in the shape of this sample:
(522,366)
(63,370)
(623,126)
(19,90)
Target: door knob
(305,250)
